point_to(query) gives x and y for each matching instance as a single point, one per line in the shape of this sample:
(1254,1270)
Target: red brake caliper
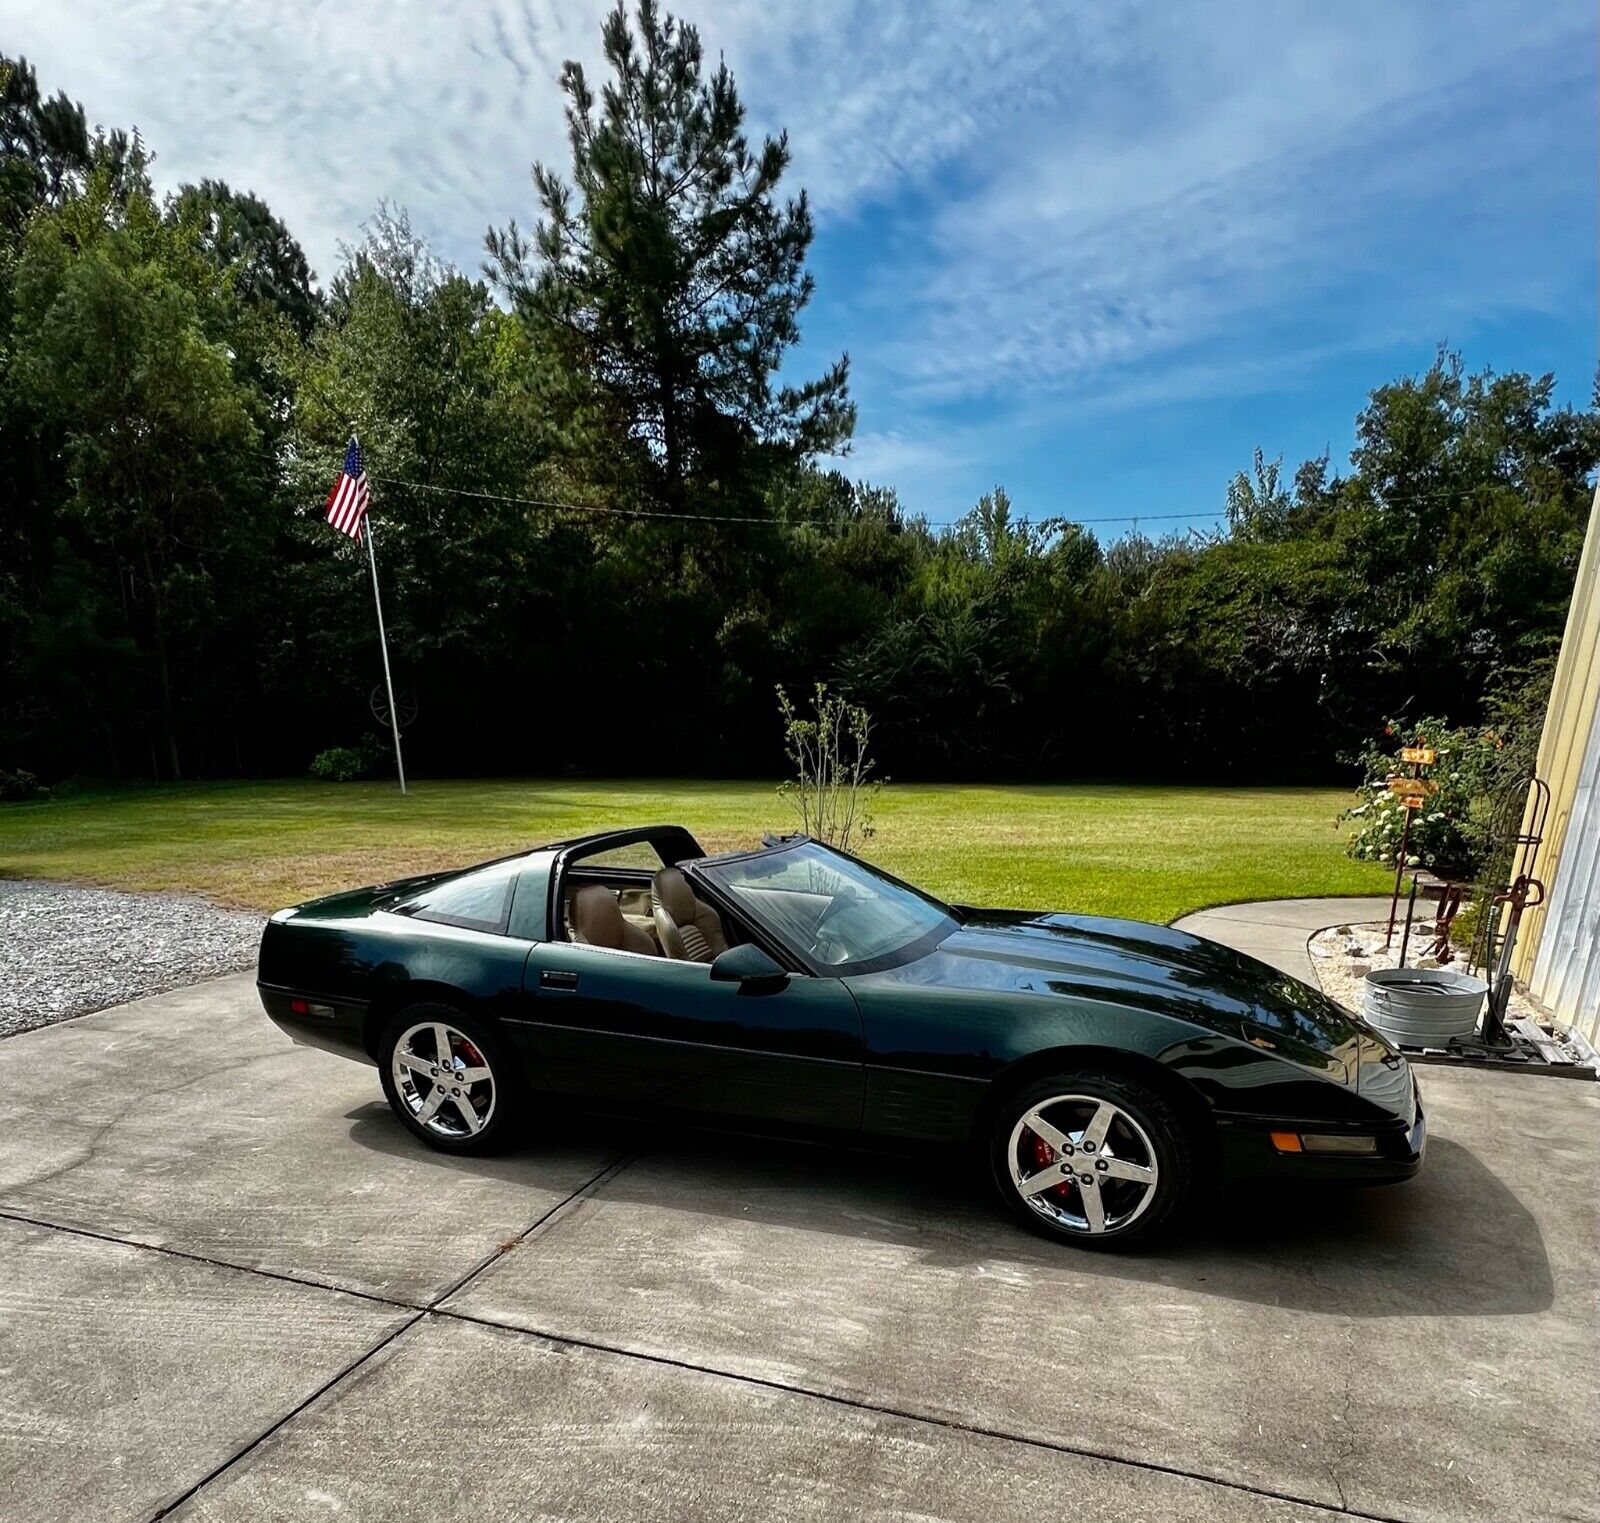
(472,1058)
(1043,1157)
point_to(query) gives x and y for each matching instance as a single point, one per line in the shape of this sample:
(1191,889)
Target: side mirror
(748,966)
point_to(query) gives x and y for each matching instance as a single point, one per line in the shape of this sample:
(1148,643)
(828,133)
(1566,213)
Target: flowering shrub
(1446,834)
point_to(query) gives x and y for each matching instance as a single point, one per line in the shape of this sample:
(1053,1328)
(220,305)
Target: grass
(1149,852)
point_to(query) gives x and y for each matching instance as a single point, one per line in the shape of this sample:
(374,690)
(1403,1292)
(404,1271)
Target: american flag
(347,502)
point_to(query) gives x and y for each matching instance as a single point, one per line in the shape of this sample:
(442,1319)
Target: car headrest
(670,889)
(597,917)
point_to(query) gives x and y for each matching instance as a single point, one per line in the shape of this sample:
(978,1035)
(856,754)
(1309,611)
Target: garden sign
(1412,791)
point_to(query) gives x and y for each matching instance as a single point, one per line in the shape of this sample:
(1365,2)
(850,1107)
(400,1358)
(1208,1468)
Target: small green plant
(341,764)
(833,789)
(1465,927)
(1446,834)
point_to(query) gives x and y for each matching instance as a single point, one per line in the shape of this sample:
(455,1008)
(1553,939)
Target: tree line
(608,531)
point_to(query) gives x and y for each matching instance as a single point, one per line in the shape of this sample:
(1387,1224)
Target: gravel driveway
(66,950)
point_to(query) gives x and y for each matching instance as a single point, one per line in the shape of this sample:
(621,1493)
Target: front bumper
(1248,1151)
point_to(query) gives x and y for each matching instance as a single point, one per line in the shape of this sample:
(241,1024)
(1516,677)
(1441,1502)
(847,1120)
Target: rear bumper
(1248,1151)
(313,1020)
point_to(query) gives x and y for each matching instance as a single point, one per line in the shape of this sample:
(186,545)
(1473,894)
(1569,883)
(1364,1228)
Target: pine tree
(667,277)
(240,233)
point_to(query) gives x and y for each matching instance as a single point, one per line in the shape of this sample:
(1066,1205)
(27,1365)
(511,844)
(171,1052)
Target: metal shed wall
(1558,955)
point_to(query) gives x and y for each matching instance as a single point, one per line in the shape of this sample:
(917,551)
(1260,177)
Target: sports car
(1110,1072)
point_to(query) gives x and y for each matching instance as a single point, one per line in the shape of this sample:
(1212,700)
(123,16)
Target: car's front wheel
(1096,1159)
(449,1078)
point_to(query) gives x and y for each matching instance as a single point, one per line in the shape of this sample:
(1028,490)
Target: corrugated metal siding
(1556,952)
(1566,967)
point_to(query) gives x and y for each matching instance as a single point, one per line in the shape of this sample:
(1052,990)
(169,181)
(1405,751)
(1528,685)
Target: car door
(623,1029)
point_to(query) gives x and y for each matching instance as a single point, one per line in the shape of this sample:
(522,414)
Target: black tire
(501,1105)
(1145,1131)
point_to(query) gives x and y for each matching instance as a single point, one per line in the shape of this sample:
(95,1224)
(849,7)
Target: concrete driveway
(231,1287)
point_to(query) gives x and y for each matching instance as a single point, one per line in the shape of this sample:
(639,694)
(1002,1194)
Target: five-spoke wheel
(1095,1158)
(1083,1163)
(445,1077)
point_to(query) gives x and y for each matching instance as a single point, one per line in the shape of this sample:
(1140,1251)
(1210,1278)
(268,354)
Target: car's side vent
(913,1105)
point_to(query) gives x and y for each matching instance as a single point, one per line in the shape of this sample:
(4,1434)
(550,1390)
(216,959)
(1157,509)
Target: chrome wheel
(1083,1163)
(443,1080)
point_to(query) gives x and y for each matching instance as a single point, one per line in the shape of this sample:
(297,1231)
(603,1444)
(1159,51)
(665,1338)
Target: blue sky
(1095,252)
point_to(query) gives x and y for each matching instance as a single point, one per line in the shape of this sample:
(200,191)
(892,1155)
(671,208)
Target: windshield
(833,911)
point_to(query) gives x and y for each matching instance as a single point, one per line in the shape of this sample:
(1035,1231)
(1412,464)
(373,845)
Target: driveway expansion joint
(434,1309)
(306,1282)
(322,1390)
(951,1424)
(608,1171)
(613,1167)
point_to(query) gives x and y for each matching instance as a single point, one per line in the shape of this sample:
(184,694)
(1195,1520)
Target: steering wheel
(830,949)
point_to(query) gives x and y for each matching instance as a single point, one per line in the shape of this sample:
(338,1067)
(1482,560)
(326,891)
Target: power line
(590,507)
(556,505)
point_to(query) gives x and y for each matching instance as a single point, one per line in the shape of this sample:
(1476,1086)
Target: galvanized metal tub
(1423,1007)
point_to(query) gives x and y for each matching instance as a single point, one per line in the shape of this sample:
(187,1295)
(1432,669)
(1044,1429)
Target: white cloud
(1056,193)
(1221,169)
(908,459)
(877,96)
(326,108)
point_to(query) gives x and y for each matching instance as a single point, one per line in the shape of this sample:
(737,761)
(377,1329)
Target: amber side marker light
(1312,1142)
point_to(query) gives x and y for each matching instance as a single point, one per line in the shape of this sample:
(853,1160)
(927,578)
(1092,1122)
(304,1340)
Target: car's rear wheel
(450,1079)
(1092,1158)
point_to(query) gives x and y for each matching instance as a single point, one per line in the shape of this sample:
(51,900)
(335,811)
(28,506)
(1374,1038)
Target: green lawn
(1150,852)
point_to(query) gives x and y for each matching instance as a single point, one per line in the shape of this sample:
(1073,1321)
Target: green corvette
(1110,1071)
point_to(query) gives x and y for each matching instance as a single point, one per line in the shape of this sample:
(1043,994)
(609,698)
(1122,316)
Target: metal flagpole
(383,640)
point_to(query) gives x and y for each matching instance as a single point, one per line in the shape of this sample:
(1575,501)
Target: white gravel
(66,950)
(1343,955)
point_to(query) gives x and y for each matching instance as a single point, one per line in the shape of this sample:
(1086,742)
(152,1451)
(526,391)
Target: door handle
(557,978)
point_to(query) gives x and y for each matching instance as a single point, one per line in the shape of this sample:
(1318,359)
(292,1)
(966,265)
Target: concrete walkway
(232,1286)
(1276,930)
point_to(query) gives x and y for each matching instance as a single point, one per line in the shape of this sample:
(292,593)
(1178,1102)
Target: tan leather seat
(689,930)
(597,920)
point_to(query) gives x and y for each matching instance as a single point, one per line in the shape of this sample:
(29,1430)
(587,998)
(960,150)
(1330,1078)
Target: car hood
(1151,967)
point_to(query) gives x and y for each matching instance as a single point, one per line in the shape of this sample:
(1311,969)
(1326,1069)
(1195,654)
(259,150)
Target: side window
(476,900)
(640,856)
